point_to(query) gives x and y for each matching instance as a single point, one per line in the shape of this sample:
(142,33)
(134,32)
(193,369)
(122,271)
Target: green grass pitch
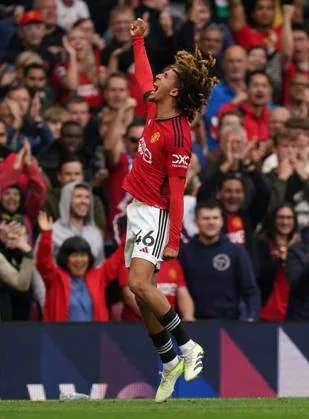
(147,409)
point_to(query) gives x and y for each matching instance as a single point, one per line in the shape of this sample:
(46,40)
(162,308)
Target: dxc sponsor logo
(179,160)
(144,151)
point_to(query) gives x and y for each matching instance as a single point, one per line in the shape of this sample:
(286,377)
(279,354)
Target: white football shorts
(147,233)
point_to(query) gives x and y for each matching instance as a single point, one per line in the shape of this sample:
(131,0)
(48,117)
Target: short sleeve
(178,147)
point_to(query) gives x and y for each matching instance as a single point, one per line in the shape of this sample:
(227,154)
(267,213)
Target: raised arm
(143,70)
(44,258)
(237,18)
(287,35)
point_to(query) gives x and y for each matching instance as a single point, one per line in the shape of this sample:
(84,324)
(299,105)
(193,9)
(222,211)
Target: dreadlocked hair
(193,71)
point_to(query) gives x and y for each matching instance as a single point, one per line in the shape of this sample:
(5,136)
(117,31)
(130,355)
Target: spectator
(23,60)
(71,170)
(120,148)
(211,41)
(75,289)
(69,11)
(290,177)
(22,188)
(258,59)
(52,40)
(35,80)
(79,110)
(55,117)
(12,239)
(279,235)
(263,33)
(297,104)
(171,281)
(277,120)
(296,268)
(232,138)
(295,50)
(255,109)
(231,89)
(70,143)
(119,45)
(27,121)
(86,25)
(243,205)
(30,37)
(219,273)
(199,16)
(80,74)
(76,219)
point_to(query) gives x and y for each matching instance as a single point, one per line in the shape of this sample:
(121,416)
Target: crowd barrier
(39,361)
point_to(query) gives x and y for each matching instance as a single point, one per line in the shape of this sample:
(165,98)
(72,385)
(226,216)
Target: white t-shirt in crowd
(67,16)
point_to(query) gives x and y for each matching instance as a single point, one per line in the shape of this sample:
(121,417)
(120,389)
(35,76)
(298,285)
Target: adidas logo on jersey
(144,250)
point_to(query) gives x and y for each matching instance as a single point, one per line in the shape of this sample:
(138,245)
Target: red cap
(31,16)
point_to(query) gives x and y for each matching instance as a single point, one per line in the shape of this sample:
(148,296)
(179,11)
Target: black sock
(164,346)
(172,323)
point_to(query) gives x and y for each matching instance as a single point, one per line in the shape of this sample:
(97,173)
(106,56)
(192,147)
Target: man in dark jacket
(297,272)
(219,273)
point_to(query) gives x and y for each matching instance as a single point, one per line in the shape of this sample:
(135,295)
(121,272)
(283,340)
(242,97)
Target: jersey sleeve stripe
(176,133)
(181,140)
(178,136)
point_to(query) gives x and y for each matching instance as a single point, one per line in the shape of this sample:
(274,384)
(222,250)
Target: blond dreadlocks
(195,81)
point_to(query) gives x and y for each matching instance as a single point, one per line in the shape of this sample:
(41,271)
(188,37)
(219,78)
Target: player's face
(165,86)
(209,222)
(78,263)
(231,195)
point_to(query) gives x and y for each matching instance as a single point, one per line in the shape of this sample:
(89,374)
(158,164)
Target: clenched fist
(139,27)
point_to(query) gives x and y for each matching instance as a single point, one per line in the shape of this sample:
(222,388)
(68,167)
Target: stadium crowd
(71,116)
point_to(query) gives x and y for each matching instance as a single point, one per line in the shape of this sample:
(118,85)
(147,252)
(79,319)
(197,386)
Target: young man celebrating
(157,182)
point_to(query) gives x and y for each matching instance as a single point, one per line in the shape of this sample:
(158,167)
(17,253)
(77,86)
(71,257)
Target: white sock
(187,347)
(168,366)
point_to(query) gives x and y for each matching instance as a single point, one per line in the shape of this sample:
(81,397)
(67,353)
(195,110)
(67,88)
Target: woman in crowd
(280,233)
(75,291)
(81,73)
(13,238)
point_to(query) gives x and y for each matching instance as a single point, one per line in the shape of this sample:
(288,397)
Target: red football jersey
(163,151)
(165,147)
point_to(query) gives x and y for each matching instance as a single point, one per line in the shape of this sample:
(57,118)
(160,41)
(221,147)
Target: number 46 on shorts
(147,240)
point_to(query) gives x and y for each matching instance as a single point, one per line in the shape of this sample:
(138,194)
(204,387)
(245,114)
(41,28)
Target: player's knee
(136,285)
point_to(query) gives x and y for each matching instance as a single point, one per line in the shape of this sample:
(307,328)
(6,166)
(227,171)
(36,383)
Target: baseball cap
(30,17)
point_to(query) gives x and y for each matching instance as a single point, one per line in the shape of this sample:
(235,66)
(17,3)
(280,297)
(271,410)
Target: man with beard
(219,273)
(76,219)
(35,80)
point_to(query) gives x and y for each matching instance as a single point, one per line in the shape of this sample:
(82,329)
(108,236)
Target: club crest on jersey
(155,137)
(179,160)
(144,151)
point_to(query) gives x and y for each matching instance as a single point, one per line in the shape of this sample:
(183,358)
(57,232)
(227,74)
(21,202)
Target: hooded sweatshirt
(62,228)
(219,277)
